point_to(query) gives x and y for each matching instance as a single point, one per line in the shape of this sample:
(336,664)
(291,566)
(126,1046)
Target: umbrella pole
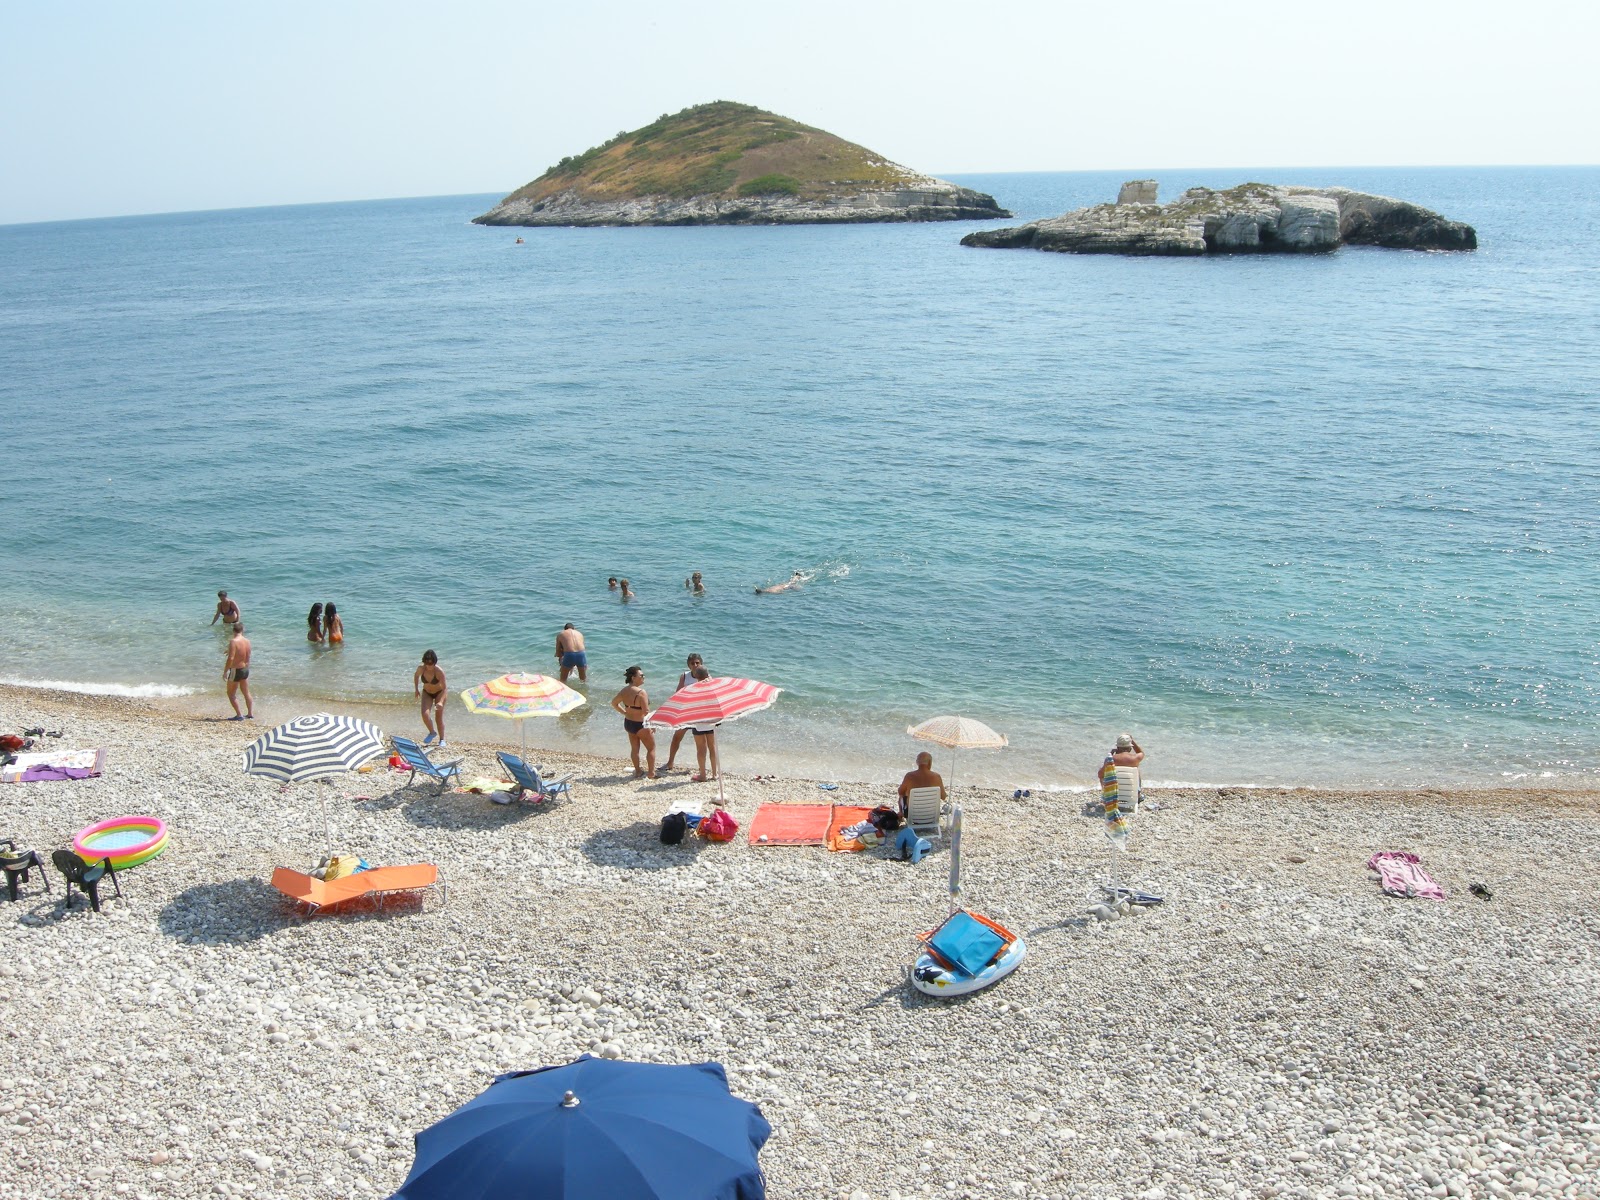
(716,765)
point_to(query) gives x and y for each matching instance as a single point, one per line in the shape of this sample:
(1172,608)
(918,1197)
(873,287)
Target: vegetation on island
(722,148)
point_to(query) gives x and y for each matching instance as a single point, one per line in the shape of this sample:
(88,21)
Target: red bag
(718,827)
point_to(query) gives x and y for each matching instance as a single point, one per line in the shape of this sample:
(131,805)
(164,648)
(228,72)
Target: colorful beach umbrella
(318,746)
(957,733)
(711,702)
(596,1128)
(518,696)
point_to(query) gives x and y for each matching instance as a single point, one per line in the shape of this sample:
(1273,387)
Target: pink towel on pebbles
(1401,874)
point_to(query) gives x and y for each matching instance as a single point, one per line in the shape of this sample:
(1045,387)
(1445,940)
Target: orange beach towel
(790,825)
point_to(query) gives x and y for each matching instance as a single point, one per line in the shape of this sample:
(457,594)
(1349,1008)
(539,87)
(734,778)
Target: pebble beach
(1277,1027)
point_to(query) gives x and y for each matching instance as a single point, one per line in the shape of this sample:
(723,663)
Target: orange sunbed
(790,825)
(379,883)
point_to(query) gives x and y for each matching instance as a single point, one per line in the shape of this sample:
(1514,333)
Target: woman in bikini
(633,704)
(314,624)
(332,625)
(684,681)
(428,684)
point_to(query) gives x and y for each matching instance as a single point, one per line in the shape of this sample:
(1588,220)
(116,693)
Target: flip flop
(1481,891)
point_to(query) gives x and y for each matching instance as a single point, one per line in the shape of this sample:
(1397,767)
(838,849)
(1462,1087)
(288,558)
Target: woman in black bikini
(428,684)
(633,704)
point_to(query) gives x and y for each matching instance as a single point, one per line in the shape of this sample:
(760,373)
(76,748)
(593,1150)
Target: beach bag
(337,866)
(884,819)
(11,743)
(672,828)
(718,827)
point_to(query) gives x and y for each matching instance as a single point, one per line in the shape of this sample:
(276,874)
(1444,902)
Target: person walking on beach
(923,776)
(427,683)
(570,650)
(633,704)
(314,624)
(695,586)
(236,674)
(227,611)
(332,626)
(684,680)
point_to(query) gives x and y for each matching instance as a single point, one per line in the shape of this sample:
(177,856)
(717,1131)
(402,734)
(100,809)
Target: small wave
(137,690)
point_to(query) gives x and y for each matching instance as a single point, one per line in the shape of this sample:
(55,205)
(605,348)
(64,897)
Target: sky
(111,108)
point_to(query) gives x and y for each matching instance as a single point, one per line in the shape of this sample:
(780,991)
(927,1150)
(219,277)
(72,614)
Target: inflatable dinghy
(967,953)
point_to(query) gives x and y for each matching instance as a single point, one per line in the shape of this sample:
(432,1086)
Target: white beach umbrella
(957,733)
(313,747)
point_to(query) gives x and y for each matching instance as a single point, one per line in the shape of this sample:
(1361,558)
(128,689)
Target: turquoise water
(1325,520)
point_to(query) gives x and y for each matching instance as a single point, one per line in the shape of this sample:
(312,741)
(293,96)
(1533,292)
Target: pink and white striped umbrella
(712,701)
(709,701)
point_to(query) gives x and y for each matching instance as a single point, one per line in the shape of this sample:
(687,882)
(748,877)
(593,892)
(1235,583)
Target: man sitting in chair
(923,776)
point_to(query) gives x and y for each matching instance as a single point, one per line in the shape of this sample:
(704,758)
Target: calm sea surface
(1328,520)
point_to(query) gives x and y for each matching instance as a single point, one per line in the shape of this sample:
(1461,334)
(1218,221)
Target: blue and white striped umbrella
(313,747)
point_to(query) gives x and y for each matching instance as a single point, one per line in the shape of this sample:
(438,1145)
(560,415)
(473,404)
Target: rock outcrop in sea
(732,164)
(1253,218)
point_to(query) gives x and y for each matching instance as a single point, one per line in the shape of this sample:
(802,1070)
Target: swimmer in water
(694,584)
(793,581)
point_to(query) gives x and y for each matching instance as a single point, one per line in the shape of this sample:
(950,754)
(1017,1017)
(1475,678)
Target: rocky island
(1253,218)
(733,164)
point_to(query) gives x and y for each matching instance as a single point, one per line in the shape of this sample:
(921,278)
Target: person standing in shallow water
(633,704)
(571,653)
(332,625)
(236,674)
(227,611)
(314,624)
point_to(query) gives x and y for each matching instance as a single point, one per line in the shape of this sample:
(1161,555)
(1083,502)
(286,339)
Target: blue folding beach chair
(528,779)
(419,762)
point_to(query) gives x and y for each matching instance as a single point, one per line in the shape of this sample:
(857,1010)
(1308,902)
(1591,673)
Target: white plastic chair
(926,812)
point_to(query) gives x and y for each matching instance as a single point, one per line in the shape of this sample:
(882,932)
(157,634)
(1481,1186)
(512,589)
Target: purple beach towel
(1401,874)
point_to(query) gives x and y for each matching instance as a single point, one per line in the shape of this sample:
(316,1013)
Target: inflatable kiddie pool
(126,841)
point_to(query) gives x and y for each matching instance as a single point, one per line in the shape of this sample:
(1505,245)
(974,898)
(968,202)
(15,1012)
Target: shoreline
(751,744)
(1278,1026)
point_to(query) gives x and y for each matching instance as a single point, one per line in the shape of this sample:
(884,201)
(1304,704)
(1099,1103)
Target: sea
(1329,521)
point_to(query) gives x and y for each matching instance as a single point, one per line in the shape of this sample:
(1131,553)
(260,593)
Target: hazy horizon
(175,106)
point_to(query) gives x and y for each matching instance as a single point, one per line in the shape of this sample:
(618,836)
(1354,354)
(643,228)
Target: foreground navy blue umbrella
(596,1128)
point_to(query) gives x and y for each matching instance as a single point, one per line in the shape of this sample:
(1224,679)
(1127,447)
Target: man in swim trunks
(227,611)
(236,674)
(427,684)
(569,649)
(923,776)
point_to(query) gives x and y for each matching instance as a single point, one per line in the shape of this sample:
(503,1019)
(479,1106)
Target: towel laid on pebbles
(51,765)
(1401,874)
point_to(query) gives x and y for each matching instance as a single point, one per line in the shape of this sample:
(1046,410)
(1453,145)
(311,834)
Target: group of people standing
(633,704)
(324,626)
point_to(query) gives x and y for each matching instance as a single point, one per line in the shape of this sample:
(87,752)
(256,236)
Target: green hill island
(733,164)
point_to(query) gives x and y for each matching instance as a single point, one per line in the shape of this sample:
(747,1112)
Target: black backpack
(672,828)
